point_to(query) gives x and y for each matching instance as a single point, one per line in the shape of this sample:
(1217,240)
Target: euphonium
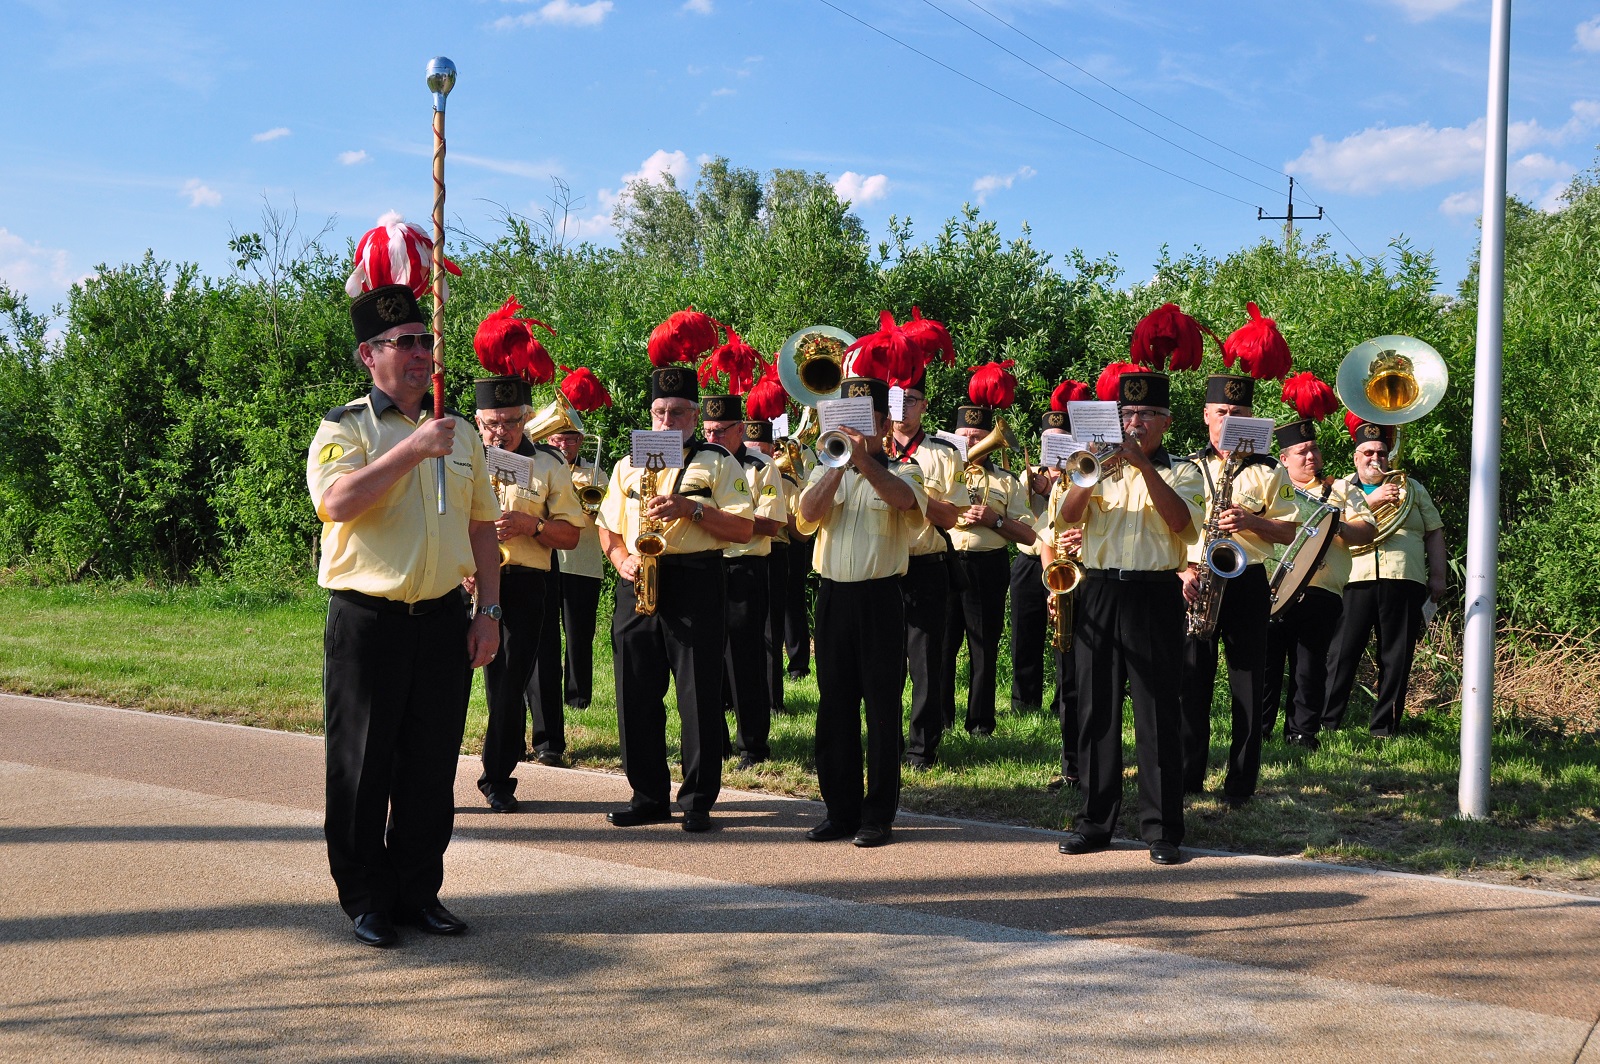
(1388,516)
(998,437)
(788,458)
(650,543)
(1223,558)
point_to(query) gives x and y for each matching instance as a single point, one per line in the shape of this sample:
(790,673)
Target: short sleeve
(1280,497)
(730,490)
(1188,483)
(1431,518)
(912,474)
(613,515)
(336,449)
(561,499)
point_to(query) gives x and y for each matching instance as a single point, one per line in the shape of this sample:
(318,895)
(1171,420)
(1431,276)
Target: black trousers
(860,669)
(797,619)
(1030,623)
(1298,640)
(745,655)
(1392,608)
(544,683)
(1129,631)
(978,615)
(681,642)
(772,633)
(925,590)
(1242,630)
(395,692)
(505,679)
(580,600)
(1065,703)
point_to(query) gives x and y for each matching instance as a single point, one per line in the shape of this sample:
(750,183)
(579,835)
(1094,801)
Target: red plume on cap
(735,360)
(506,346)
(993,385)
(930,337)
(767,397)
(1069,392)
(1310,397)
(683,337)
(1167,338)
(584,390)
(395,252)
(1258,346)
(1106,387)
(886,355)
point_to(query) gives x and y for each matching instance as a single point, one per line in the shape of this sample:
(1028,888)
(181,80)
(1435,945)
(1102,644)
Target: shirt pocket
(457,484)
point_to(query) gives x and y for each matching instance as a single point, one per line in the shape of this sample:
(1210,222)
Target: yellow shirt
(861,537)
(1037,506)
(940,463)
(586,559)
(400,548)
(1262,487)
(1401,556)
(551,497)
(1121,526)
(789,488)
(766,495)
(710,477)
(1004,493)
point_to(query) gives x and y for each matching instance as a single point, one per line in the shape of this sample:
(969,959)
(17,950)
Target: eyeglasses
(1143,415)
(407,342)
(499,424)
(914,398)
(724,431)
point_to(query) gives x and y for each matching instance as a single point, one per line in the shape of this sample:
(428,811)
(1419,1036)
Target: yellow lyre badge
(739,486)
(769,492)
(1286,492)
(1199,500)
(331,452)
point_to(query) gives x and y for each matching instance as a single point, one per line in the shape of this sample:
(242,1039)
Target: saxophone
(1222,558)
(650,543)
(1061,578)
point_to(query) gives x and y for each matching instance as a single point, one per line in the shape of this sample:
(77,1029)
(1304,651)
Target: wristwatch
(999,520)
(491,611)
(699,512)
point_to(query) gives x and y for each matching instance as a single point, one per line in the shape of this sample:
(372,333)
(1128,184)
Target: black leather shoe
(1164,852)
(696,821)
(1310,742)
(982,731)
(748,762)
(501,802)
(375,929)
(1063,783)
(1235,801)
(578,703)
(635,815)
(917,764)
(869,835)
(827,831)
(435,919)
(550,758)
(797,676)
(1077,843)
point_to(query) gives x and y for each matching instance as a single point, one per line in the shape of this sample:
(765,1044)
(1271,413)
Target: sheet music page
(855,413)
(508,467)
(1258,430)
(1054,449)
(780,426)
(668,443)
(897,403)
(1095,421)
(958,442)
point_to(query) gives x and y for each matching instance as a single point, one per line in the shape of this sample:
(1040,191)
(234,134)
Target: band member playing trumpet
(1299,636)
(703,507)
(996,516)
(1138,521)
(537,518)
(926,585)
(1388,585)
(758,437)
(865,513)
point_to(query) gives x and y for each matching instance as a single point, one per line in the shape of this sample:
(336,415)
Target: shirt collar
(379,400)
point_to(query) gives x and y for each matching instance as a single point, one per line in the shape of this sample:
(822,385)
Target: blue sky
(163,125)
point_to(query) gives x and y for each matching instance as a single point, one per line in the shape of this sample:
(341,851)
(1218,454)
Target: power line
(1034,110)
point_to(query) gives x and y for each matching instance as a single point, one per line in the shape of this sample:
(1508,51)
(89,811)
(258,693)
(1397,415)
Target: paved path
(165,897)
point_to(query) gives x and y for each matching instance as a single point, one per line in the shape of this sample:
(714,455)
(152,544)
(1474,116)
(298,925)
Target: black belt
(383,605)
(930,559)
(520,570)
(1149,576)
(701,559)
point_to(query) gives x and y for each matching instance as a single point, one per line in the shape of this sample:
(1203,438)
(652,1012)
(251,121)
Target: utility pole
(1287,219)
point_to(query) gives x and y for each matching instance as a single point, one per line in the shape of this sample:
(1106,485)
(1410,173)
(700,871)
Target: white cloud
(271,134)
(31,268)
(724,92)
(1588,34)
(1422,10)
(1416,156)
(860,188)
(1462,204)
(200,195)
(1537,178)
(559,13)
(514,167)
(994,182)
(652,171)
(699,7)
(660,162)
(351,158)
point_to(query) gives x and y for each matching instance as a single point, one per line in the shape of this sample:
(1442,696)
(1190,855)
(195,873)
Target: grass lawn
(255,658)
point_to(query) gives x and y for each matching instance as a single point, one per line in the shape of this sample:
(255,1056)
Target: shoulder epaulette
(1260,459)
(700,445)
(336,413)
(452,412)
(553,452)
(937,442)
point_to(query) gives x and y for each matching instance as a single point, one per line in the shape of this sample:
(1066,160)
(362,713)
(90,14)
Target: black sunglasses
(408,341)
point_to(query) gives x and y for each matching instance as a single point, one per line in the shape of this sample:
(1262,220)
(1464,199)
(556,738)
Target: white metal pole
(1483,509)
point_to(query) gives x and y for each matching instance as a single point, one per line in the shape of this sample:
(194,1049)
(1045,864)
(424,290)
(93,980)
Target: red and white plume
(885,355)
(1351,423)
(1310,397)
(767,397)
(506,346)
(1106,386)
(395,252)
(584,390)
(930,337)
(993,385)
(1167,338)
(683,337)
(734,361)
(1069,392)
(1258,347)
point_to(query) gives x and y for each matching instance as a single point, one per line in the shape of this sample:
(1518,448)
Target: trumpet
(650,543)
(834,449)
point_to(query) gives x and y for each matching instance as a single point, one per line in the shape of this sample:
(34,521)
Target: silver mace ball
(441,79)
